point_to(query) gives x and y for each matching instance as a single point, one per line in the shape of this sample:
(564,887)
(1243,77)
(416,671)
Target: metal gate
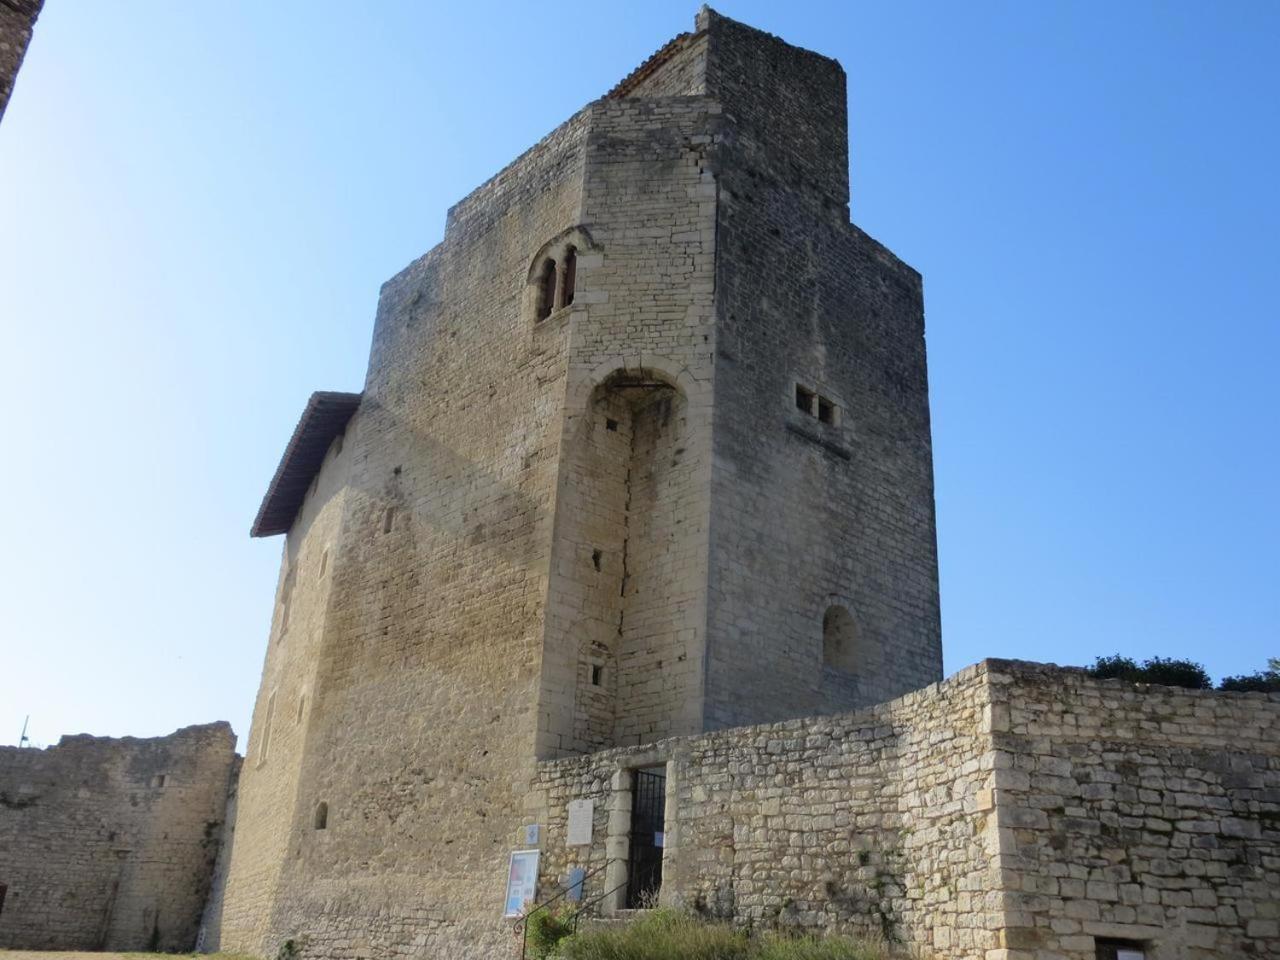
(648,826)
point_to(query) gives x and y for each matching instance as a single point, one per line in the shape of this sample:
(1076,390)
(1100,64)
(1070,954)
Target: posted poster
(522,881)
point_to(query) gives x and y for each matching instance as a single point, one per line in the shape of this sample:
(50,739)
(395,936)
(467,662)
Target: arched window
(322,815)
(839,640)
(547,290)
(570,275)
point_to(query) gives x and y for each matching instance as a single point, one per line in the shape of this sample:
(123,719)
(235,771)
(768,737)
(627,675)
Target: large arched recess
(628,561)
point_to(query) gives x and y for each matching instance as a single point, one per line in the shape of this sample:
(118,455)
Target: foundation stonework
(109,844)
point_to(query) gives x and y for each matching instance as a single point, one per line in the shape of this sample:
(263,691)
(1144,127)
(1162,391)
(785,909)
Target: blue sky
(199,202)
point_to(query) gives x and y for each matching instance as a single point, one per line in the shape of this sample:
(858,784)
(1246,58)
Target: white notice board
(580,816)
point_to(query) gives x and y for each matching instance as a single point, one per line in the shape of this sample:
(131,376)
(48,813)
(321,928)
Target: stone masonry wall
(17,20)
(869,823)
(110,844)
(269,780)
(1137,812)
(1013,812)
(422,716)
(810,514)
(639,342)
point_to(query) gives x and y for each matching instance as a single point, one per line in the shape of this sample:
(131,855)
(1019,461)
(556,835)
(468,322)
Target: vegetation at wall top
(1183,673)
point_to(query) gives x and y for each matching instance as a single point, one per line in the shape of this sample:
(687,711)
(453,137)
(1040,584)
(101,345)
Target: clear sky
(198,203)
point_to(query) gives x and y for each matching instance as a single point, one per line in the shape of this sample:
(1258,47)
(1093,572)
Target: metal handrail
(521,926)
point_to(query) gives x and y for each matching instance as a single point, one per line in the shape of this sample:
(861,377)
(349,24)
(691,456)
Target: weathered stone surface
(905,820)
(559,524)
(110,843)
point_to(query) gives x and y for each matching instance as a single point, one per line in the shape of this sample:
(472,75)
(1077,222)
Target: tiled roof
(324,418)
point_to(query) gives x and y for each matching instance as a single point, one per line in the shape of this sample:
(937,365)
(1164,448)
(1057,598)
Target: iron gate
(648,826)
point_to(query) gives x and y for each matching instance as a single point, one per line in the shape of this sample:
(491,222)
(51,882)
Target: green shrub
(660,935)
(816,948)
(544,929)
(1161,670)
(1264,681)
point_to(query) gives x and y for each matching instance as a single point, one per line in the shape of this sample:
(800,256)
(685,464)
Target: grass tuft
(674,935)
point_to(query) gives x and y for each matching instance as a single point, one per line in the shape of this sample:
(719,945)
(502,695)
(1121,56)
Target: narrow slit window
(322,815)
(265,749)
(570,275)
(597,675)
(547,290)
(388,519)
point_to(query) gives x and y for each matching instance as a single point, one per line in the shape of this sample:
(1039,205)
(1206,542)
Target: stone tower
(643,450)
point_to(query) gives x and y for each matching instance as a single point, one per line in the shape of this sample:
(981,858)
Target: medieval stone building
(618,582)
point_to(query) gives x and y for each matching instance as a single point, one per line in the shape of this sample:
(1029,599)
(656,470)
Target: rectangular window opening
(804,399)
(1110,949)
(611,424)
(387,520)
(597,675)
(826,410)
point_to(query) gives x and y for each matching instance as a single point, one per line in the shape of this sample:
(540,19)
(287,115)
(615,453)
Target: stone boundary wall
(875,823)
(109,844)
(1138,812)
(1012,812)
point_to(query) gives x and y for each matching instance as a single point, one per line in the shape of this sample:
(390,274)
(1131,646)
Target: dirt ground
(62,955)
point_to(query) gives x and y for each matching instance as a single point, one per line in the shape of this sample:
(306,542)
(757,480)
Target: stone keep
(643,451)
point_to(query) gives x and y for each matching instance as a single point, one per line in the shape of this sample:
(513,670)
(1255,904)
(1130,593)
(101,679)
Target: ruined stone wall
(209,937)
(1013,812)
(17,20)
(811,512)
(110,843)
(1143,813)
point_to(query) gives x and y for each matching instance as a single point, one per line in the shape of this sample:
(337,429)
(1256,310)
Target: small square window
(804,399)
(1120,949)
(610,424)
